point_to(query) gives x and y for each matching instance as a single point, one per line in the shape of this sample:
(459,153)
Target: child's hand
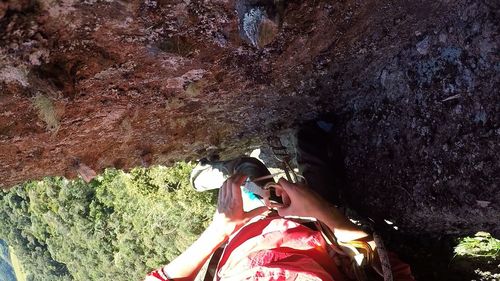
(299,200)
(230,216)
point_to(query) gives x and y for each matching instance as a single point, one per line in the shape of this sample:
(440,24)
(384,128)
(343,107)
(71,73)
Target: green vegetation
(117,227)
(46,112)
(478,257)
(481,245)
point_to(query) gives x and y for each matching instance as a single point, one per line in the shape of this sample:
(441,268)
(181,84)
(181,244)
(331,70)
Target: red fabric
(277,249)
(156,275)
(281,249)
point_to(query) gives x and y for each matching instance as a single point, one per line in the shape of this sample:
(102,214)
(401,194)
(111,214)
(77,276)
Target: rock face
(414,86)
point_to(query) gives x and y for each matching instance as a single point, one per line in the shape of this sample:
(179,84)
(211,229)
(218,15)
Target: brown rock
(268,30)
(85,172)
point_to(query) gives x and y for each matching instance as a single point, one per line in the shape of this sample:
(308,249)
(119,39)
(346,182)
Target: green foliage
(117,227)
(481,245)
(46,111)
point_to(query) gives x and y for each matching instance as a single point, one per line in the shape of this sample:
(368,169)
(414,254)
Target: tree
(117,227)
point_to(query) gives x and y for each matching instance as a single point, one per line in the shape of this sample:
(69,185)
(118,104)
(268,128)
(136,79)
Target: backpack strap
(212,264)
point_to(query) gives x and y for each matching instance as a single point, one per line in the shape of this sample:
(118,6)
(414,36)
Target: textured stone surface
(414,86)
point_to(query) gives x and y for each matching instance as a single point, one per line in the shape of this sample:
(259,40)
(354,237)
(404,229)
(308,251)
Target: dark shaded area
(176,45)
(60,74)
(431,255)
